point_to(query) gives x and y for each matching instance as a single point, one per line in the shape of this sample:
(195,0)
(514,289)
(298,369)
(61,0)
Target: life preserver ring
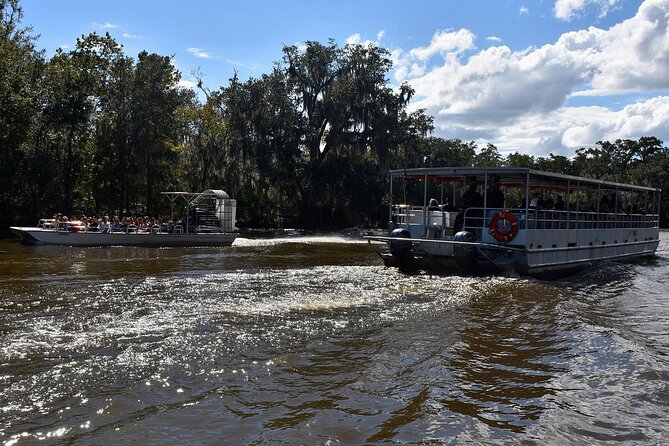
(503,226)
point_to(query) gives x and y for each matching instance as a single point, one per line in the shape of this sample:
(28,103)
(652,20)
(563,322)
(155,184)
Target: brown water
(310,340)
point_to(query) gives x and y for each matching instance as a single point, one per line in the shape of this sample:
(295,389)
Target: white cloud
(200,53)
(445,42)
(568,128)
(493,39)
(353,39)
(356,39)
(524,10)
(187,83)
(105,25)
(130,36)
(569,9)
(517,98)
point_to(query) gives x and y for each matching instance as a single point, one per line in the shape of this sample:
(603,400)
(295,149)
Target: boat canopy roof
(191,196)
(537,178)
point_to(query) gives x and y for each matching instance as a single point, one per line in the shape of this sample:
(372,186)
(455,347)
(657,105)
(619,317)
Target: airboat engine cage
(214,210)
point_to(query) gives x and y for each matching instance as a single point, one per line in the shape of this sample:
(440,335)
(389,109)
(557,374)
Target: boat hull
(545,263)
(37,236)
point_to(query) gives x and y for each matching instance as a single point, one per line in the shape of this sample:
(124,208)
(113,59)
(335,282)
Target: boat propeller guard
(503,226)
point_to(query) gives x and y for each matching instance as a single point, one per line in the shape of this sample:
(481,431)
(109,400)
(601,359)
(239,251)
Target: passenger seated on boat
(105,227)
(64,223)
(142,225)
(434,205)
(183,225)
(116,225)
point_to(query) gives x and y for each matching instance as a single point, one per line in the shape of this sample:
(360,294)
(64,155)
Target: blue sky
(534,76)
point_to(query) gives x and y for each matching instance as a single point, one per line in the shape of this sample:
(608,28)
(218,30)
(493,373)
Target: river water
(309,340)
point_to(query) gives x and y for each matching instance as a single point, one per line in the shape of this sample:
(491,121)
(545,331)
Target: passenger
(537,201)
(434,205)
(559,204)
(472,198)
(143,225)
(105,227)
(604,205)
(495,196)
(116,225)
(93,224)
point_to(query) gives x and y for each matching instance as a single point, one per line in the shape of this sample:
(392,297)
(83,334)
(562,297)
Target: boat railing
(553,219)
(130,229)
(428,216)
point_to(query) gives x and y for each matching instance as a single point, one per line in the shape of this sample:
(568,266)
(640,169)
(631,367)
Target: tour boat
(489,220)
(211,222)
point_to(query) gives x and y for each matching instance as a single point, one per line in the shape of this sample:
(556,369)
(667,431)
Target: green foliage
(309,143)
(20,69)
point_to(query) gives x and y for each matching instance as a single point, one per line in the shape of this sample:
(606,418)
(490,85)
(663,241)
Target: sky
(532,76)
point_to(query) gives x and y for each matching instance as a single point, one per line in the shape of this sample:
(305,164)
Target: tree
(489,156)
(438,152)
(20,70)
(520,160)
(350,116)
(156,100)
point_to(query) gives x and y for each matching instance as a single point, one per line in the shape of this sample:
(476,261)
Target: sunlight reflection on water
(305,340)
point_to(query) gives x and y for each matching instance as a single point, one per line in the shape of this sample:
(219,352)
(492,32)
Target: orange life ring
(503,226)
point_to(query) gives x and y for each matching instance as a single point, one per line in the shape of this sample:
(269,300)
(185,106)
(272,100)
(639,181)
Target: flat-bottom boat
(213,215)
(531,222)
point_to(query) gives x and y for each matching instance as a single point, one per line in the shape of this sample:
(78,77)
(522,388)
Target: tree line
(93,130)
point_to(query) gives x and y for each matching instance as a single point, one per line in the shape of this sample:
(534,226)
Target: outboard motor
(465,255)
(401,249)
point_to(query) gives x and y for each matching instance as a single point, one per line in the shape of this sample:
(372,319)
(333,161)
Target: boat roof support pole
(425,203)
(527,193)
(578,196)
(659,208)
(485,196)
(568,201)
(425,192)
(390,200)
(615,209)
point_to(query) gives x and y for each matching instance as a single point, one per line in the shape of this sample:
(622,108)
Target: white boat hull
(38,236)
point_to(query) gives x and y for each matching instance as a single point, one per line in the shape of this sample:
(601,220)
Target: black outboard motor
(401,249)
(465,255)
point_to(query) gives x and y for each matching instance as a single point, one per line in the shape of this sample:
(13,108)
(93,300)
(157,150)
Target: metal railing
(552,220)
